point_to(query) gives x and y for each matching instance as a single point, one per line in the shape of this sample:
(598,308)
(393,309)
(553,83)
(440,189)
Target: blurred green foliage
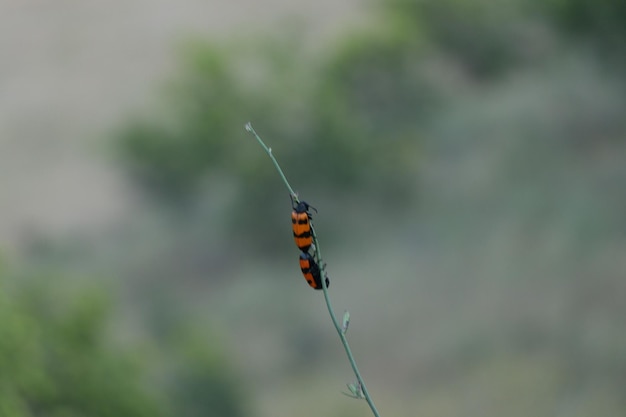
(515,248)
(604,20)
(203,384)
(55,359)
(350,123)
(58,358)
(173,155)
(481,37)
(328,124)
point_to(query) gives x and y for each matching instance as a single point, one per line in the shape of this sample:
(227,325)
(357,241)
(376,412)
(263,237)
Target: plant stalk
(318,259)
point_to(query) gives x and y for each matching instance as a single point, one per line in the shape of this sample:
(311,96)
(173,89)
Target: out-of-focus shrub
(55,359)
(171,154)
(202,382)
(373,98)
(483,38)
(324,128)
(597,26)
(351,123)
(603,19)
(58,358)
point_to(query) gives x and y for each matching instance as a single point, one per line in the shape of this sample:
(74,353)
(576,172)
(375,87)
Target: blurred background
(467,158)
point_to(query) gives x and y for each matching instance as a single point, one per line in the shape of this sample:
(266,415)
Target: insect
(311,271)
(301,224)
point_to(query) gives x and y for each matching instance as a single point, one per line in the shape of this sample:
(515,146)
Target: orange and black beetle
(311,271)
(301,224)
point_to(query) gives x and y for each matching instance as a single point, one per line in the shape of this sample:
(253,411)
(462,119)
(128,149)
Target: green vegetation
(361,114)
(468,162)
(603,20)
(55,358)
(58,357)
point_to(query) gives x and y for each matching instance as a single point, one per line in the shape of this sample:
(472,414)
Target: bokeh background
(467,158)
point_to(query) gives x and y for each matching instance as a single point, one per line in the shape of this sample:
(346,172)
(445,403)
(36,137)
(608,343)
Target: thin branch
(250,129)
(340,332)
(318,255)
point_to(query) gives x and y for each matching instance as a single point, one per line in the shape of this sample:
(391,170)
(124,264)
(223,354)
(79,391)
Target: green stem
(250,129)
(318,256)
(340,331)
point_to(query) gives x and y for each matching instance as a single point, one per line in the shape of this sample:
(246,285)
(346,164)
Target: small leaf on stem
(355,389)
(346,322)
